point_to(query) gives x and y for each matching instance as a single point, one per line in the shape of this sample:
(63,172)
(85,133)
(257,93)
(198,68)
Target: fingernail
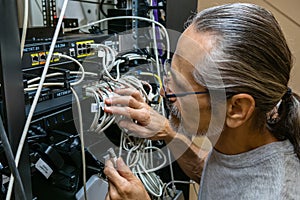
(108,101)
(106,158)
(107,109)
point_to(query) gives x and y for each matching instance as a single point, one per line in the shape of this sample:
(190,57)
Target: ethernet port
(83,45)
(79,46)
(84,51)
(35,58)
(42,57)
(72,52)
(79,52)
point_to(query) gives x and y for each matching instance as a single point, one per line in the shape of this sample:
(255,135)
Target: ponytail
(287,124)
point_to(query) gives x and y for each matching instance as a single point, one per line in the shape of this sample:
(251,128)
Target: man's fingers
(125,111)
(113,175)
(124,170)
(124,101)
(136,129)
(141,115)
(130,92)
(112,192)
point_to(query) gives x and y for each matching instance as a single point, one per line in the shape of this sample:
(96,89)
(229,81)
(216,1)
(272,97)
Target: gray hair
(253,57)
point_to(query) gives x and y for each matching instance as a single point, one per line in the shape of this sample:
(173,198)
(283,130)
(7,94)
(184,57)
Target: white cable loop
(97,114)
(151,182)
(128,17)
(80,67)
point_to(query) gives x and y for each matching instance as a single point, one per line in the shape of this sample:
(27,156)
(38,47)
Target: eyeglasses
(167,76)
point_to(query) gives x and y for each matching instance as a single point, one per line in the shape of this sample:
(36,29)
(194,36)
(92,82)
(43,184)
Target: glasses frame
(175,95)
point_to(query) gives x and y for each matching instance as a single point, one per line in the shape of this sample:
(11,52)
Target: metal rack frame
(12,86)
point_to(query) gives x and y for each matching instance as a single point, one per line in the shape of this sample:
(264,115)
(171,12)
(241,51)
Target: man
(236,62)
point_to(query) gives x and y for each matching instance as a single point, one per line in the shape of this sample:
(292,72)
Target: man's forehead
(193,45)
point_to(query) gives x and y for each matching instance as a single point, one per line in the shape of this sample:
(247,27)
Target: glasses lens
(166,75)
(167,68)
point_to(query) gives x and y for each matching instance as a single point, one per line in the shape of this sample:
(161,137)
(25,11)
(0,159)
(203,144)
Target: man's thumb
(124,170)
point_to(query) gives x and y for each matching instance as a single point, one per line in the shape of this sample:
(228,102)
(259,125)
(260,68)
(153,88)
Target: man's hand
(144,121)
(123,185)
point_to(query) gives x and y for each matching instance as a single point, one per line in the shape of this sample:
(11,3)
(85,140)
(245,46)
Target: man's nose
(162,92)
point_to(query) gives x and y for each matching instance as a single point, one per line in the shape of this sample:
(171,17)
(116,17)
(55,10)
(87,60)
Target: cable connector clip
(113,156)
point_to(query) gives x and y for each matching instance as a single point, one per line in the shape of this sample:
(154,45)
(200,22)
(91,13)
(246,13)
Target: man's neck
(240,140)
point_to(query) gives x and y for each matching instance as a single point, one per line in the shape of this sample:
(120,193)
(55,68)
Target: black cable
(101,8)
(11,161)
(281,12)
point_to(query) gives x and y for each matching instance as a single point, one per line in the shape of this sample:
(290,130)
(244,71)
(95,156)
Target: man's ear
(240,108)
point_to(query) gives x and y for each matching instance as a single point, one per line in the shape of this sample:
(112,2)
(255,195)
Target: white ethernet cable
(140,151)
(150,180)
(108,59)
(82,73)
(128,17)
(47,76)
(138,160)
(139,157)
(99,92)
(34,86)
(41,82)
(81,141)
(25,24)
(161,103)
(60,74)
(98,113)
(78,63)
(36,97)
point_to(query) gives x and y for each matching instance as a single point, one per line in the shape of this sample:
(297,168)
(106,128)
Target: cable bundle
(140,159)
(140,154)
